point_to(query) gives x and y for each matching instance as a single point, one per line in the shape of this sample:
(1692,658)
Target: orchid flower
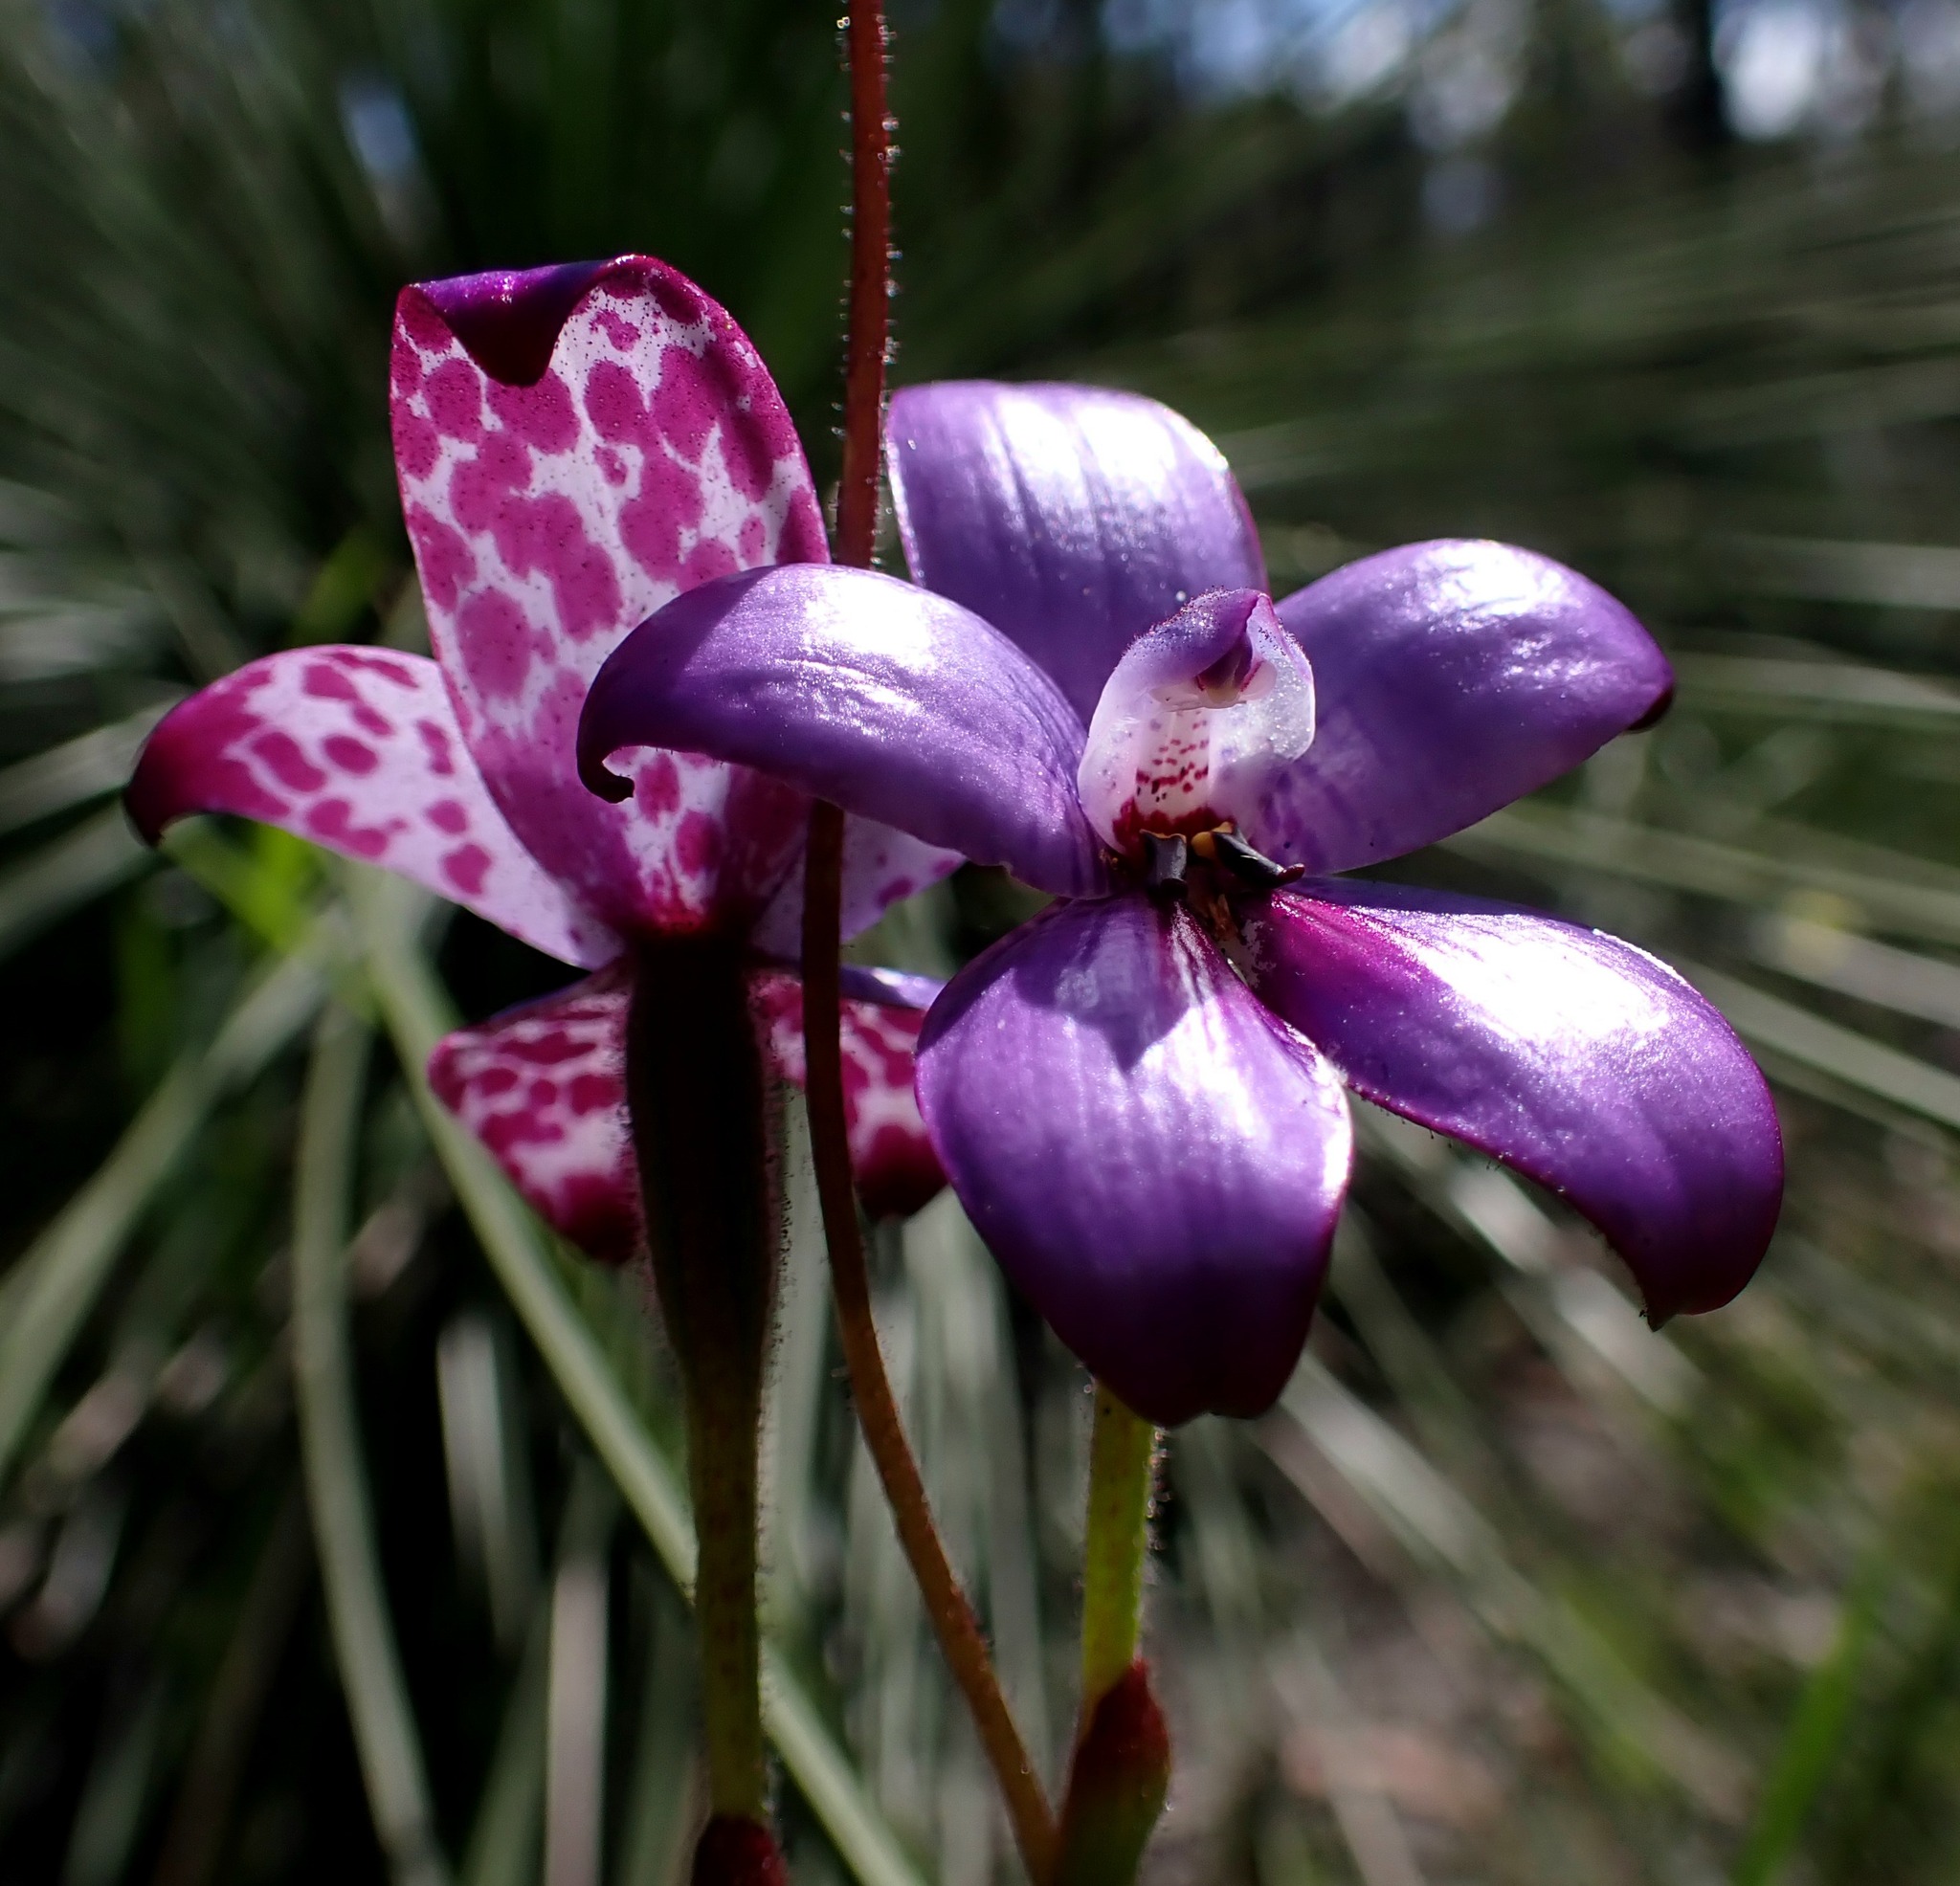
(1138,1096)
(577,446)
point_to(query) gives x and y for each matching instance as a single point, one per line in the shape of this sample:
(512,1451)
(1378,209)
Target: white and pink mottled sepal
(576,447)
(358,749)
(544,1087)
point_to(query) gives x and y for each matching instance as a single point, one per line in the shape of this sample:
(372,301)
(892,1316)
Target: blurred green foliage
(1509,1589)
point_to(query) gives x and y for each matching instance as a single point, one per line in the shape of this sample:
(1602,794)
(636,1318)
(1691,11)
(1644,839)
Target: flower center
(1193,726)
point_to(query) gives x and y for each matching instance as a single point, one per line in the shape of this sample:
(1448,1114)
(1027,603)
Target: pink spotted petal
(881,867)
(895,1167)
(576,447)
(544,1087)
(358,749)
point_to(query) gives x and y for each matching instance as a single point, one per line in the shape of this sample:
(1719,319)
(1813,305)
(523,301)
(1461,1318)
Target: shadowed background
(1509,1589)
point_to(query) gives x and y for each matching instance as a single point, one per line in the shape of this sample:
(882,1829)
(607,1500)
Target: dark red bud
(736,1852)
(1116,1785)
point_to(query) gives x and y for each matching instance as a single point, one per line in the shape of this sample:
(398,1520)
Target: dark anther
(1251,867)
(1166,860)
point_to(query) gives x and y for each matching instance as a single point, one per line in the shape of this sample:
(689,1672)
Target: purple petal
(1451,678)
(1155,1161)
(881,867)
(895,703)
(1071,518)
(576,447)
(1581,1061)
(358,749)
(891,1158)
(890,988)
(509,318)
(1203,713)
(544,1087)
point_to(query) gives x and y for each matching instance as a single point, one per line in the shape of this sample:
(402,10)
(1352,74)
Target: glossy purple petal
(358,749)
(576,447)
(889,988)
(1451,678)
(891,1158)
(1071,518)
(882,865)
(1581,1061)
(894,702)
(544,1087)
(1156,1161)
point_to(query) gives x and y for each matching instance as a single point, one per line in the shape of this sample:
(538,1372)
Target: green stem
(702,1110)
(1121,1769)
(1123,1458)
(383,1723)
(417,1013)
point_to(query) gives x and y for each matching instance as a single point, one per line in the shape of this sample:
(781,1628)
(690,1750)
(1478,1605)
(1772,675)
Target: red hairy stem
(952,1616)
(953,1620)
(869,332)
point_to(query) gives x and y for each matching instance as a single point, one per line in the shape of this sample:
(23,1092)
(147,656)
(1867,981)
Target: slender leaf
(53,1285)
(384,1722)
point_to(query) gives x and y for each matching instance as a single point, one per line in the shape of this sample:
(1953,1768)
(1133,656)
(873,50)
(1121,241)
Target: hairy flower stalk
(701,1103)
(954,1623)
(1121,1769)
(1123,1461)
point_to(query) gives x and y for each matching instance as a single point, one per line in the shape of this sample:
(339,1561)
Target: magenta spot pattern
(549,519)
(358,749)
(891,1157)
(544,1087)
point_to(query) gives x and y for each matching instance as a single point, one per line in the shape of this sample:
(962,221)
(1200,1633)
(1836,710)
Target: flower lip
(1200,717)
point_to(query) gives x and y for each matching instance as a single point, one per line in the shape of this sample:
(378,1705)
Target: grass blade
(1678,861)
(1441,1531)
(1769,1022)
(1810,1744)
(504,1839)
(53,1285)
(75,772)
(67,872)
(384,1722)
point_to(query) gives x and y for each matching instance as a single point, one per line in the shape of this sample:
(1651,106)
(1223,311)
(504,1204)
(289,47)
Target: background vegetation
(1509,1589)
